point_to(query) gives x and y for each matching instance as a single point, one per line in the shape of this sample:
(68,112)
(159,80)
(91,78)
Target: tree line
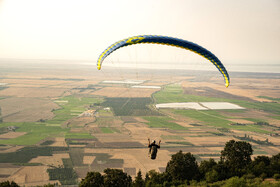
(234,168)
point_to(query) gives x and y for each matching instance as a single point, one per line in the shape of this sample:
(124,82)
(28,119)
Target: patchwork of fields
(64,126)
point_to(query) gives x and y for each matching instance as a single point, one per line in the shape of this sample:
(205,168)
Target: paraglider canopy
(166,40)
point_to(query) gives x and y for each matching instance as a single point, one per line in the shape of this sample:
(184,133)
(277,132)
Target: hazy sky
(237,31)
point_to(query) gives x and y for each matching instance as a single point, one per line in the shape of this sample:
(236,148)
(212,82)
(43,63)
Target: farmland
(65,124)
(130,106)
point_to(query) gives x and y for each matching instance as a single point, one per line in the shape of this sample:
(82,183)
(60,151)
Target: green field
(174,93)
(34,132)
(163,122)
(106,130)
(270,98)
(130,106)
(105,122)
(64,175)
(213,118)
(25,154)
(71,106)
(79,135)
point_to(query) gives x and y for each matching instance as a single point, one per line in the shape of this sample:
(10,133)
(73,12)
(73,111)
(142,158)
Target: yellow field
(17,109)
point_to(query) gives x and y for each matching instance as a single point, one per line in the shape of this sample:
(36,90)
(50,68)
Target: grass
(275,117)
(213,118)
(106,130)
(255,120)
(80,135)
(35,132)
(210,117)
(163,122)
(270,98)
(48,142)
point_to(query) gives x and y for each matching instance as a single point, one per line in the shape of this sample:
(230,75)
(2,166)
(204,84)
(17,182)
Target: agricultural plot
(34,132)
(130,158)
(103,161)
(123,82)
(55,160)
(163,122)
(146,86)
(80,135)
(108,122)
(71,107)
(174,94)
(200,106)
(116,133)
(30,176)
(130,106)
(25,154)
(66,176)
(125,92)
(106,130)
(26,109)
(213,118)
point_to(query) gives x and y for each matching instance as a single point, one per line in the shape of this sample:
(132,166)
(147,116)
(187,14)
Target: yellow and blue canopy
(166,40)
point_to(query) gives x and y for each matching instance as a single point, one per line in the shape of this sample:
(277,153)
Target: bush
(235,182)
(8,184)
(276,176)
(212,176)
(249,176)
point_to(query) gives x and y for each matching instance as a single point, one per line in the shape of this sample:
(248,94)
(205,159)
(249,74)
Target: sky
(236,31)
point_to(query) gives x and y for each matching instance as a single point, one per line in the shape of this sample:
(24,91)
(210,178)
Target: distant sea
(258,68)
(206,66)
(261,68)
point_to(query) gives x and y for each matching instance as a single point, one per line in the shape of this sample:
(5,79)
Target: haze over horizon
(236,32)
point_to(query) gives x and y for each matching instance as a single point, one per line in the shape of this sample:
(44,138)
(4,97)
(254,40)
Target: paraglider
(153,148)
(166,40)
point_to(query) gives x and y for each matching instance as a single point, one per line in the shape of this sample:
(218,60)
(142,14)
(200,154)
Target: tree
(8,184)
(206,166)
(139,182)
(222,170)
(182,166)
(156,178)
(212,176)
(261,166)
(275,164)
(116,178)
(94,179)
(237,156)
